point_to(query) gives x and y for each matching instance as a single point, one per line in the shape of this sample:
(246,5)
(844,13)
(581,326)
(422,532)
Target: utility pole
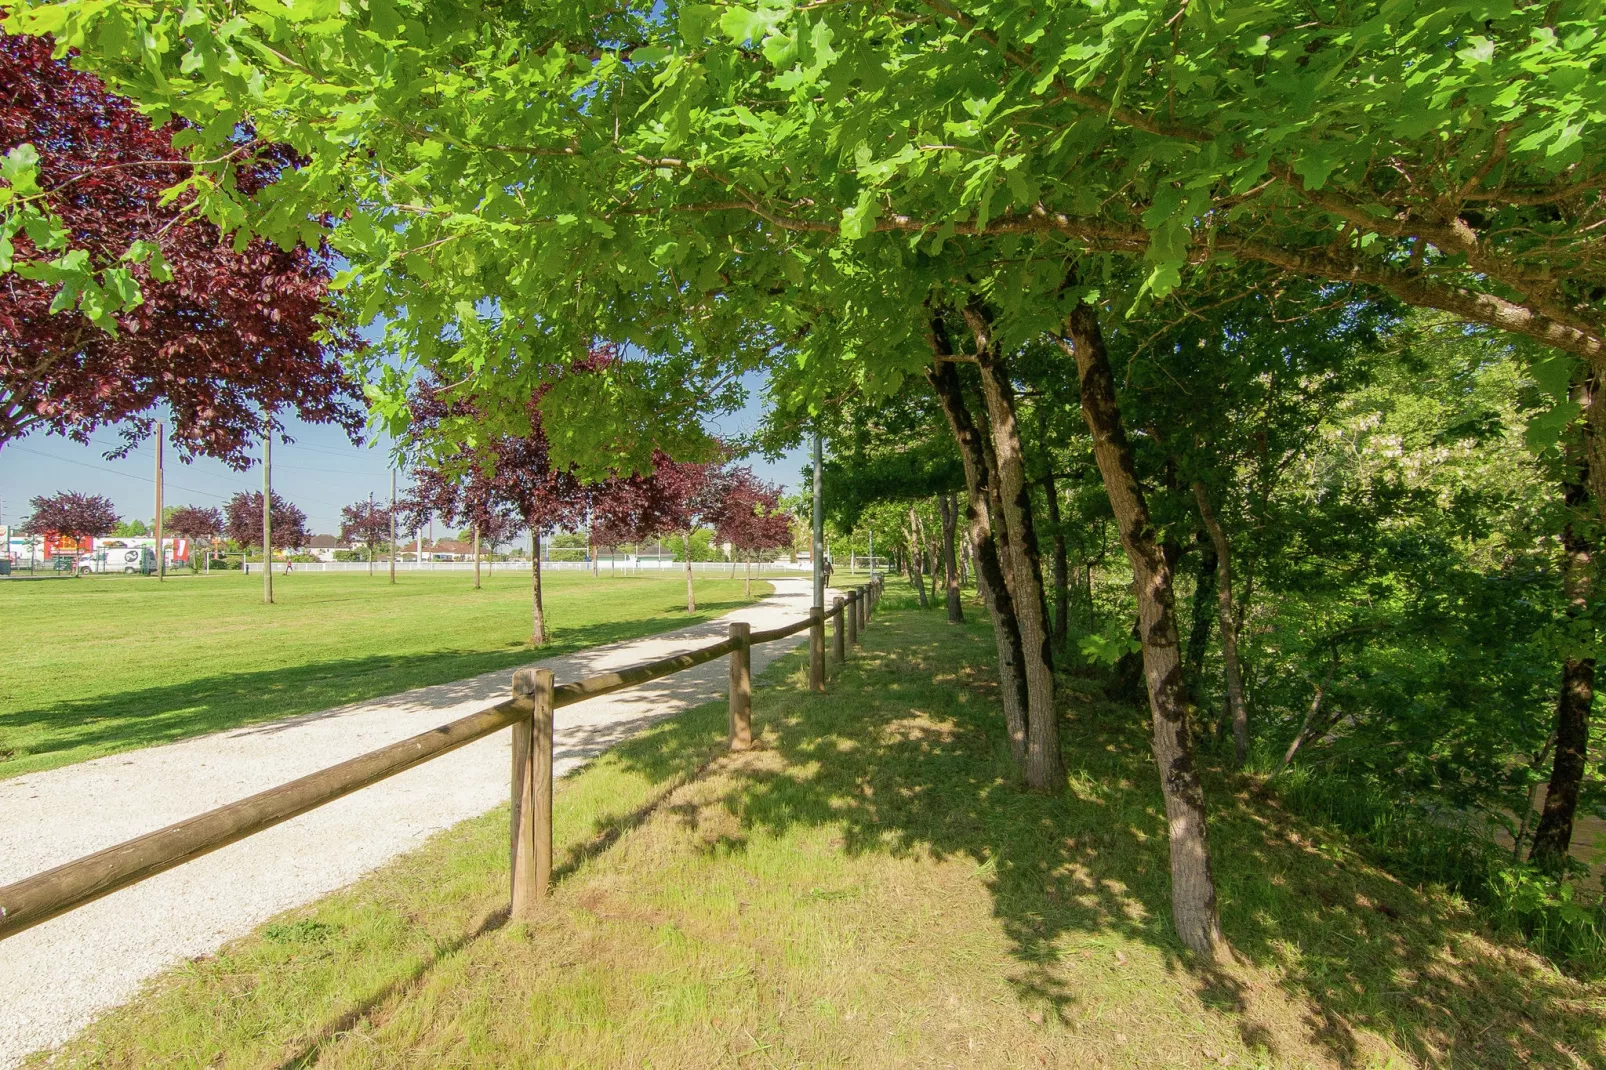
(393,525)
(370,533)
(818,551)
(161,555)
(267,514)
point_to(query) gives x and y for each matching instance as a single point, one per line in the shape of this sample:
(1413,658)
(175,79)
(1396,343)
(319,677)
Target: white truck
(140,559)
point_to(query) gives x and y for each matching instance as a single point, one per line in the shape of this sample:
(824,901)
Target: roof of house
(325,542)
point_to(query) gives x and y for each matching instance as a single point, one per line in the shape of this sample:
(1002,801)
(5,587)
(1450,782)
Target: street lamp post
(818,551)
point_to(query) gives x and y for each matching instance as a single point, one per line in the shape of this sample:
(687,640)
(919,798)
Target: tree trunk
(1200,618)
(538,627)
(1236,705)
(950,562)
(927,554)
(691,594)
(476,557)
(1062,582)
(747,588)
(591,549)
(911,535)
(1534,765)
(982,539)
(1045,769)
(1310,720)
(1193,888)
(1553,836)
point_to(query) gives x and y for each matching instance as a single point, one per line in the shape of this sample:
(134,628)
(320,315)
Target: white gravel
(56,977)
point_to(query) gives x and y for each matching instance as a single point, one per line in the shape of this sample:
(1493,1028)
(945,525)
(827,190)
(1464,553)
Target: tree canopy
(72,514)
(181,322)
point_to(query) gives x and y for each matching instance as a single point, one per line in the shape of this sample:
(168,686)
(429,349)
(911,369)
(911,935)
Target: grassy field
(867,888)
(103,664)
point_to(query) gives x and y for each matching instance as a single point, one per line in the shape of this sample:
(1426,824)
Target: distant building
(323,547)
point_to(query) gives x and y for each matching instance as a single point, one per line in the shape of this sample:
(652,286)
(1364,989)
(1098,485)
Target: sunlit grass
(867,888)
(103,664)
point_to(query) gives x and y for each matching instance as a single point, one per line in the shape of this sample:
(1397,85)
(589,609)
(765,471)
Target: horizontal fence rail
(39,898)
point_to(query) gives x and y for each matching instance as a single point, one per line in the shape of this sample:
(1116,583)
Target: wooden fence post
(816,648)
(741,686)
(852,615)
(532,794)
(841,611)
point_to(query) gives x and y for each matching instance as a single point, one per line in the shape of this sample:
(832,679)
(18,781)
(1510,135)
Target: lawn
(867,888)
(97,665)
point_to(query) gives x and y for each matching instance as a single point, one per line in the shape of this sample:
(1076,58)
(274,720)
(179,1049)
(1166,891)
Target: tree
(219,332)
(674,498)
(490,479)
(74,515)
(195,522)
(131,529)
(459,497)
(749,516)
(242,521)
(365,522)
(705,179)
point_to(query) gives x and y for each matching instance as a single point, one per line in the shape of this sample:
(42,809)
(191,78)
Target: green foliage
(1427,847)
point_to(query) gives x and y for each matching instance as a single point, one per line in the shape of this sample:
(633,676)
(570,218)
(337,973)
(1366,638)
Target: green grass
(868,888)
(99,665)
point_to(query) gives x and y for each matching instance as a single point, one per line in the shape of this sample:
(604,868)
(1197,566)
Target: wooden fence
(528,712)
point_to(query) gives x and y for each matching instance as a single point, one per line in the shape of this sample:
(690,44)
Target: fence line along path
(58,974)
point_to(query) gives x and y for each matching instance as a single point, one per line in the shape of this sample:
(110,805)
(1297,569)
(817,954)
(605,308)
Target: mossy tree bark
(983,540)
(1193,888)
(1045,769)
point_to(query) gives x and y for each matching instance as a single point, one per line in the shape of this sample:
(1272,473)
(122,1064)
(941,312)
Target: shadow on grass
(86,728)
(311,1049)
(908,757)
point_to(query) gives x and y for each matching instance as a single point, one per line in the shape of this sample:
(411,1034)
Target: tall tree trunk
(1193,888)
(927,553)
(982,539)
(747,587)
(1045,769)
(1554,834)
(1237,707)
(1200,618)
(591,549)
(950,562)
(1307,728)
(911,535)
(476,557)
(691,594)
(538,611)
(1062,583)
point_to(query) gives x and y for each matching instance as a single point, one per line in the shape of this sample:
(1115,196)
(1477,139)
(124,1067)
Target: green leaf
(1545,429)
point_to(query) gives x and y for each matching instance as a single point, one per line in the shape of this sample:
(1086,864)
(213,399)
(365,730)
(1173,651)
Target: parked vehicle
(140,559)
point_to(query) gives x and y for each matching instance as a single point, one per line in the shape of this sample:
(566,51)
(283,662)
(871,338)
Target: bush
(1427,847)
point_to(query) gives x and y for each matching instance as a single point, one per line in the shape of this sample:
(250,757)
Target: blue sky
(320,472)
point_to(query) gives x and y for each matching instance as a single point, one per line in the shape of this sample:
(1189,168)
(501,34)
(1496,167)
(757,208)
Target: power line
(177,486)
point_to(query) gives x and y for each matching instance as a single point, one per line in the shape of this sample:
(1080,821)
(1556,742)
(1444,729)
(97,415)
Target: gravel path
(56,977)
